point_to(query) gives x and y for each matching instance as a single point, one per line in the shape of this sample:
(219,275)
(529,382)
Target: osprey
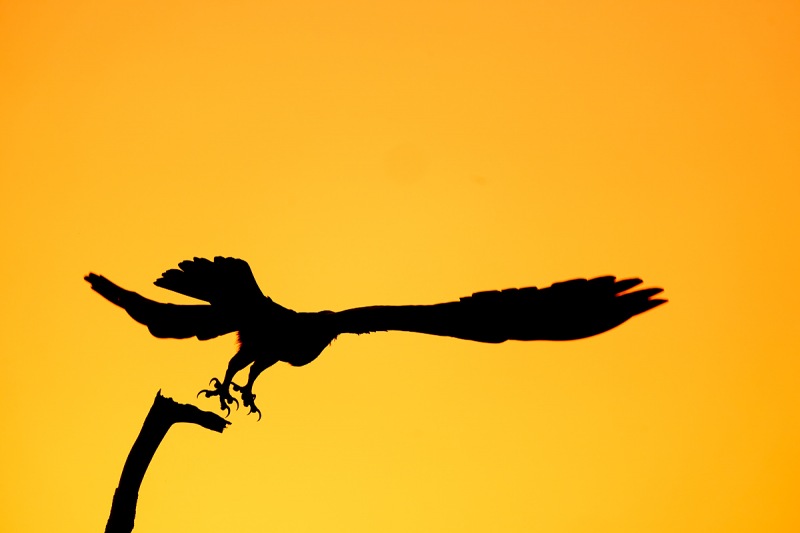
(269,332)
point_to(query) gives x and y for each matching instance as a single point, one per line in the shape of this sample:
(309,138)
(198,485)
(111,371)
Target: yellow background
(358,153)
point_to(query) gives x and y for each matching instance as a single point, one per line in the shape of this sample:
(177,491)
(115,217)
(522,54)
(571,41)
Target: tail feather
(223,281)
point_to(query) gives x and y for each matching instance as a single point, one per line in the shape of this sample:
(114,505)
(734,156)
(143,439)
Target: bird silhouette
(269,332)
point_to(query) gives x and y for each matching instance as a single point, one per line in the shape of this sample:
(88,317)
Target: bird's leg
(248,398)
(221,388)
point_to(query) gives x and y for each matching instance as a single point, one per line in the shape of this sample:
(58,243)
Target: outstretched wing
(569,310)
(225,281)
(167,320)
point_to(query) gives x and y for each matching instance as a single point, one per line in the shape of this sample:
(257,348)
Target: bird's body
(269,333)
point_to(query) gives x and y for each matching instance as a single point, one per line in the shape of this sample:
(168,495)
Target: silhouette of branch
(160,418)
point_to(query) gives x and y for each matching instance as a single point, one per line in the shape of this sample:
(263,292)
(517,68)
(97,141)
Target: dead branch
(162,415)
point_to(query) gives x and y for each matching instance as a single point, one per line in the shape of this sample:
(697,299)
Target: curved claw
(249,400)
(225,399)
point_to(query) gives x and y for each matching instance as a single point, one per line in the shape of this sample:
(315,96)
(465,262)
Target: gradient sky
(358,153)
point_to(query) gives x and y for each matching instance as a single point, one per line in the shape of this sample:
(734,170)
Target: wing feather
(167,320)
(568,310)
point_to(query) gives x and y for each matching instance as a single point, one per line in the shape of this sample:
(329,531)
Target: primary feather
(167,320)
(568,310)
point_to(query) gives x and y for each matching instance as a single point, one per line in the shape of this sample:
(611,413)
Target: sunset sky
(359,153)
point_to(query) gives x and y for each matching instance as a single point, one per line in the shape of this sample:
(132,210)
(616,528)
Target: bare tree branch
(160,418)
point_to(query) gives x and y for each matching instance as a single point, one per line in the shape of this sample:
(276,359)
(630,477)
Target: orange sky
(358,153)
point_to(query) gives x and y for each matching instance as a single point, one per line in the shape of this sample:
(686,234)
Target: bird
(269,333)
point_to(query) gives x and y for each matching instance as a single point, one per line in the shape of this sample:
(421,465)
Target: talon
(256,410)
(221,390)
(248,399)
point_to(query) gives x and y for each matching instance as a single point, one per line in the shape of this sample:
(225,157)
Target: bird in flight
(269,332)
